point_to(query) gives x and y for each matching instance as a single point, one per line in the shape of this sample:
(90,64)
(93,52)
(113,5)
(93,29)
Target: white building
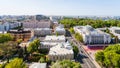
(42,31)
(60,30)
(47,45)
(92,36)
(38,65)
(51,41)
(54,38)
(115,31)
(61,51)
(3,32)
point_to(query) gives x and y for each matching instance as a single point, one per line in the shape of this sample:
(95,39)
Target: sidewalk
(91,53)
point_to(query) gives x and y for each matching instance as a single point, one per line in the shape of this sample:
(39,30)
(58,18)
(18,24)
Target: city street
(82,57)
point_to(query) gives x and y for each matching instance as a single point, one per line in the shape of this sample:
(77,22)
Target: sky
(60,7)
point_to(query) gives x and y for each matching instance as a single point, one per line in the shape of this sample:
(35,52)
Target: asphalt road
(82,57)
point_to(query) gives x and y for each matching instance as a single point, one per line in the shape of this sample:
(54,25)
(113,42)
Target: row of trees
(66,64)
(70,22)
(110,57)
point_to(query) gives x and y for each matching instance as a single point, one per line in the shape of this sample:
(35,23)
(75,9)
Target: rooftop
(49,43)
(19,31)
(54,37)
(61,49)
(115,28)
(38,65)
(89,30)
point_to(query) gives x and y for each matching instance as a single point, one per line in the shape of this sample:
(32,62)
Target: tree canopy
(7,49)
(42,60)
(5,37)
(75,50)
(70,22)
(78,37)
(66,64)
(72,30)
(33,46)
(16,63)
(110,57)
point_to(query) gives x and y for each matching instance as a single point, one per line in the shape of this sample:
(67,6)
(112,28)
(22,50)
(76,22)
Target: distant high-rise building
(40,17)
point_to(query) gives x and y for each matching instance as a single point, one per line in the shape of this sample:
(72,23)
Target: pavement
(85,59)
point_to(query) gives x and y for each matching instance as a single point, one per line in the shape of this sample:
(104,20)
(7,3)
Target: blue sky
(60,7)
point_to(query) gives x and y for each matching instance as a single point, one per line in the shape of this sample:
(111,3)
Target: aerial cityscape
(59,34)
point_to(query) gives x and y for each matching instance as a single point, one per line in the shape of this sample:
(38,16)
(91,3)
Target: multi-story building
(47,45)
(41,17)
(7,26)
(4,26)
(54,38)
(115,31)
(58,48)
(15,24)
(42,31)
(61,51)
(38,65)
(25,35)
(51,41)
(92,36)
(38,24)
(60,30)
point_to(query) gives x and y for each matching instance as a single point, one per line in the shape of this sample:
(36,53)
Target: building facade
(51,41)
(61,51)
(115,31)
(7,26)
(38,65)
(60,30)
(55,38)
(38,24)
(25,35)
(92,36)
(42,31)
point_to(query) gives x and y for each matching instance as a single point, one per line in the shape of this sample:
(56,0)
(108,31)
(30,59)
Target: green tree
(72,30)
(5,37)
(33,46)
(19,41)
(110,57)
(57,34)
(42,60)
(78,37)
(66,64)
(7,50)
(75,50)
(98,23)
(99,57)
(16,63)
